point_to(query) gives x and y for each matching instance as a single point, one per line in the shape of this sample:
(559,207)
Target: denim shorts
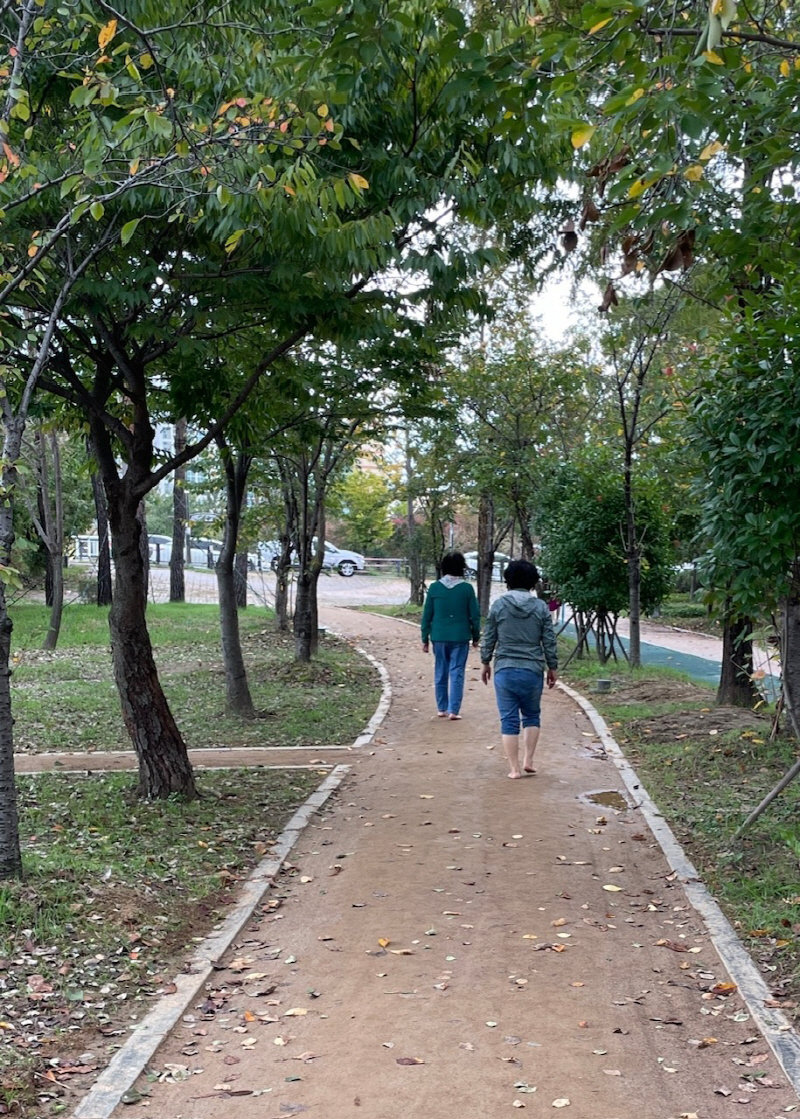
(519,695)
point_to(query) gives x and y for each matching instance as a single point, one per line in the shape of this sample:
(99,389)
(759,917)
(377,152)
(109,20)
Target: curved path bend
(451,944)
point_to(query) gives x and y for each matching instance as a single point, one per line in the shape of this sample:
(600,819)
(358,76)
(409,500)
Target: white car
(161,551)
(501,562)
(339,559)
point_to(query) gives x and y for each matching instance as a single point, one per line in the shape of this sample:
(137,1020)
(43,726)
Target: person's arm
(474,617)
(427,618)
(487,647)
(549,647)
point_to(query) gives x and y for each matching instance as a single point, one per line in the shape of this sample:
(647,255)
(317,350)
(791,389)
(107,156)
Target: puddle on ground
(608,798)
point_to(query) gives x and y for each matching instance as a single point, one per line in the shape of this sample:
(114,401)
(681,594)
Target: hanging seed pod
(609,298)
(590,213)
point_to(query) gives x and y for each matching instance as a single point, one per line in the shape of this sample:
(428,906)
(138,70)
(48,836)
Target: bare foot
(514,776)
(455,716)
(442,714)
(529,769)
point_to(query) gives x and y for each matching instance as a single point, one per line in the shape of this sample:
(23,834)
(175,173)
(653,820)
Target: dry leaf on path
(409,1061)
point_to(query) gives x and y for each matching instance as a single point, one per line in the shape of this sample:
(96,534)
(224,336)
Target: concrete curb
(130,1060)
(775,1026)
(384,703)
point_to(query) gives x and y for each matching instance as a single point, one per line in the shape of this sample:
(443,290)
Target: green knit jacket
(451,613)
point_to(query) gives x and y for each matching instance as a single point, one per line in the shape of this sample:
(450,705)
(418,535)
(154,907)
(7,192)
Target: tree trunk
(104,581)
(177,580)
(240,579)
(485,552)
(634,556)
(790,649)
(282,576)
(736,687)
(48,559)
(10,851)
(416,566)
(164,766)
(306,620)
(238,700)
(54,530)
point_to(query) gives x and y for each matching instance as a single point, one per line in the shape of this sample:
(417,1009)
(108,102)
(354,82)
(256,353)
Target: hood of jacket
(519,603)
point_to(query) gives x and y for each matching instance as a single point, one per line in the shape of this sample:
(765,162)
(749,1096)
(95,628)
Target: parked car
(501,562)
(335,559)
(202,552)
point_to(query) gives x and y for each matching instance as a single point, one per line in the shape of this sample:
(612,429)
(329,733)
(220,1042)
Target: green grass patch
(408,610)
(115,892)
(67,700)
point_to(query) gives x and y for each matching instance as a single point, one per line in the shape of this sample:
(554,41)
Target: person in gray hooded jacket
(519,635)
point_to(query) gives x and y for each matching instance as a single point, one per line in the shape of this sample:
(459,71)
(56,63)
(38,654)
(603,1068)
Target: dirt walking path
(451,944)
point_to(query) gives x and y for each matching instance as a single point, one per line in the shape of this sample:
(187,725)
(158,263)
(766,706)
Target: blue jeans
(518,692)
(450,660)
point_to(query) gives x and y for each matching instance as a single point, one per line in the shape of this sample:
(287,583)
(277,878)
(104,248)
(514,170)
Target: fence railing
(382,566)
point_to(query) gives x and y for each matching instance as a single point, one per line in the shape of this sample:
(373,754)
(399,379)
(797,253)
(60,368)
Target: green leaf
(128,230)
(83,95)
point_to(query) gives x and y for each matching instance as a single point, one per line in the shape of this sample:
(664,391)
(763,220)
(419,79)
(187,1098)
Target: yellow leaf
(712,56)
(711,149)
(613,889)
(133,167)
(322,111)
(384,942)
(634,97)
(358,181)
(582,135)
(107,33)
(637,188)
(694,173)
(599,25)
(146,60)
(784,68)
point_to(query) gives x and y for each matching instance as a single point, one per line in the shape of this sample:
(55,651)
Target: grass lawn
(116,889)
(66,700)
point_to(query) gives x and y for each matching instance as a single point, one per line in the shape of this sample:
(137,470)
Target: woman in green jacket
(450,619)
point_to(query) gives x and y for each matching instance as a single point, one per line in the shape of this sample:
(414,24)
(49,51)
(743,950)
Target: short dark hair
(521,575)
(454,564)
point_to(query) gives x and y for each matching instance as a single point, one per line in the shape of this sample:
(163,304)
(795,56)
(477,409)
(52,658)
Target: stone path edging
(775,1026)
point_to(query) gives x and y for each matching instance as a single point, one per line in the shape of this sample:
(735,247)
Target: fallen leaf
(384,941)
(673,945)
(723,989)
(295,1012)
(613,889)
(409,1061)
(563,1102)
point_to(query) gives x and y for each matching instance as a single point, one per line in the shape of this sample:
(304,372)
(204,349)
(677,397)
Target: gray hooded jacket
(519,633)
